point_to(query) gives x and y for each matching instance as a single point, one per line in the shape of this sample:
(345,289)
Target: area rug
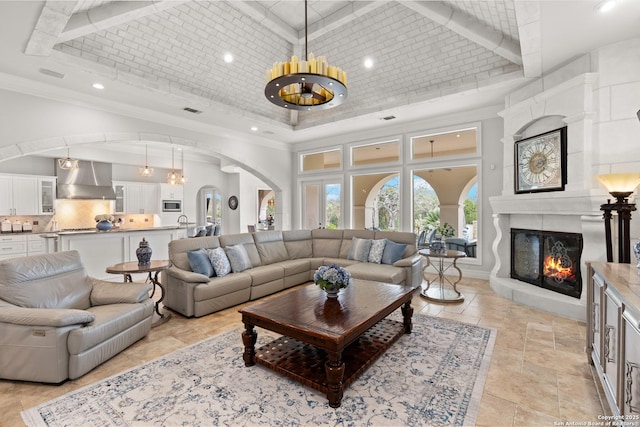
(431,377)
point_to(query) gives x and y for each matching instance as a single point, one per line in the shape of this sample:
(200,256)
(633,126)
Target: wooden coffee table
(327,343)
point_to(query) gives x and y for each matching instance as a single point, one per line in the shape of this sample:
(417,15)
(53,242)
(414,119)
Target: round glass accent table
(445,290)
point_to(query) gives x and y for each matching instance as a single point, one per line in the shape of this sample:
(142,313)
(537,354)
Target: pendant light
(146,170)
(172,177)
(68,163)
(183,179)
(310,84)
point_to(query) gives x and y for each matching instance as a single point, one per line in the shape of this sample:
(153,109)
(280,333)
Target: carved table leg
(407,313)
(334,367)
(249,337)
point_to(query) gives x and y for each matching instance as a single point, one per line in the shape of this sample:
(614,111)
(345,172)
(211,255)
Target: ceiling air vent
(192,110)
(389,118)
(52,73)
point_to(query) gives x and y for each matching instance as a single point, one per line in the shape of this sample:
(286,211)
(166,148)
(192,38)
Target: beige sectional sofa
(279,260)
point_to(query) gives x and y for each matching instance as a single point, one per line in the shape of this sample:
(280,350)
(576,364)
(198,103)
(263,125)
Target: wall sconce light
(620,186)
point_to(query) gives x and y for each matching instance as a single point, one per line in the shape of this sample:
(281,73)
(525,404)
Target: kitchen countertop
(55,234)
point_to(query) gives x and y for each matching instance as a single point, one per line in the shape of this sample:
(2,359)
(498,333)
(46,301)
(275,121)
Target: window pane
(447,195)
(444,144)
(376,201)
(311,206)
(332,206)
(320,161)
(382,152)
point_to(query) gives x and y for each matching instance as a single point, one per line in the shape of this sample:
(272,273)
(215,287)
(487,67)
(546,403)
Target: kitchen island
(100,249)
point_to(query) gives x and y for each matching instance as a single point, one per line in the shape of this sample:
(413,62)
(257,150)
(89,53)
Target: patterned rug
(432,377)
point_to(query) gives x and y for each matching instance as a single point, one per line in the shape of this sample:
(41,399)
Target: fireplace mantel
(585,202)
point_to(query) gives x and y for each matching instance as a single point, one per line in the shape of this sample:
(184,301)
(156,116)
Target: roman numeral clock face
(539,164)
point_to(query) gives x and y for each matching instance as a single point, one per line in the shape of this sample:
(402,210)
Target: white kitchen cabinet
(613,341)
(46,195)
(99,250)
(18,195)
(12,246)
(36,245)
(137,198)
(171,192)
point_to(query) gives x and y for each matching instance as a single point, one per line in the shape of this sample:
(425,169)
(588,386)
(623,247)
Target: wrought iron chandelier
(311,84)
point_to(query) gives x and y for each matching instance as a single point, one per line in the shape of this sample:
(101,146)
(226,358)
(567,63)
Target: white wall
(31,125)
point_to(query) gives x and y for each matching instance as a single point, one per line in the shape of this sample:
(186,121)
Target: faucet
(183,221)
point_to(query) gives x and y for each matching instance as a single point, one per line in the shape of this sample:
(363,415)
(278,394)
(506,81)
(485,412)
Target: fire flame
(553,269)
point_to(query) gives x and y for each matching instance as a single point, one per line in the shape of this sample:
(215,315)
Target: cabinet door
(133,197)
(6,202)
(120,205)
(25,196)
(631,368)
(611,343)
(150,198)
(46,195)
(596,319)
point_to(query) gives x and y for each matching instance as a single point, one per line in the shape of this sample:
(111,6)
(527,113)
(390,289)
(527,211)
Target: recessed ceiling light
(98,86)
(254,128)
(605,6)
(368,63)
(228,58)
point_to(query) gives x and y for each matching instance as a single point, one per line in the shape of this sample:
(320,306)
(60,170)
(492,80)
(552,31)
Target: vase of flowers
(103,222)
(438,246)
(332,278)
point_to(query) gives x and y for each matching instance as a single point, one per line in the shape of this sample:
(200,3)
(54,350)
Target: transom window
(330,159)
(444,144)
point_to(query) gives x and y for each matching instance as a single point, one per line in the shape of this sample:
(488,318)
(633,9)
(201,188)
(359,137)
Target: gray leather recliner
(56,323)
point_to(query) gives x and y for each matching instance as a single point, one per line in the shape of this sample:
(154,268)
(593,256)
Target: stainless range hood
(90,180)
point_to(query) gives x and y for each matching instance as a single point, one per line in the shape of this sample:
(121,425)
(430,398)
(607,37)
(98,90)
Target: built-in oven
(172,206)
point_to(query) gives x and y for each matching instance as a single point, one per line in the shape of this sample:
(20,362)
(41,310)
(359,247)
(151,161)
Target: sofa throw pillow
(376,251)
(200,263)
(219,261)
(359,249)
(238,258)
(392,252)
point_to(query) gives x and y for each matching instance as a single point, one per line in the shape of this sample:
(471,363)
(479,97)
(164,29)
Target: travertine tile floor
(539,375)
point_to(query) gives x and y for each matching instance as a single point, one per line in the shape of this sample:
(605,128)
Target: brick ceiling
(420,49)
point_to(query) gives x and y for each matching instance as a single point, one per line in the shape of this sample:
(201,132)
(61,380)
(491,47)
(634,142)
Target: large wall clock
(541,162)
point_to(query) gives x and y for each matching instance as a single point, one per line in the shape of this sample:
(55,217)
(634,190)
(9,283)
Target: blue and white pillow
(376,251)
(200,262)
(359,249)
(219,261)
(238,257)
(392,252)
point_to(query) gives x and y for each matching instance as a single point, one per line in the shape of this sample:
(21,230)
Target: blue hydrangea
(332,276)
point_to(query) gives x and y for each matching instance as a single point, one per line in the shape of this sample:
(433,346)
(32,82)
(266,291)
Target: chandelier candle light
(311,84)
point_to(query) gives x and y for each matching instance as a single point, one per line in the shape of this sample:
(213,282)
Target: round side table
(153,269)
(437,261)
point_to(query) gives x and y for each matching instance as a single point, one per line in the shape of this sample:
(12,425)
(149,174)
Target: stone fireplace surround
(557,211)
(595,96)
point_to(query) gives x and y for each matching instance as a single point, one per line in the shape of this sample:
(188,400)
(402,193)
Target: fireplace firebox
(548,259)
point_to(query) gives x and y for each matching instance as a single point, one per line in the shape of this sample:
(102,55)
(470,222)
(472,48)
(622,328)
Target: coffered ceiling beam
(51,22)
(468,27)
(110,15)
